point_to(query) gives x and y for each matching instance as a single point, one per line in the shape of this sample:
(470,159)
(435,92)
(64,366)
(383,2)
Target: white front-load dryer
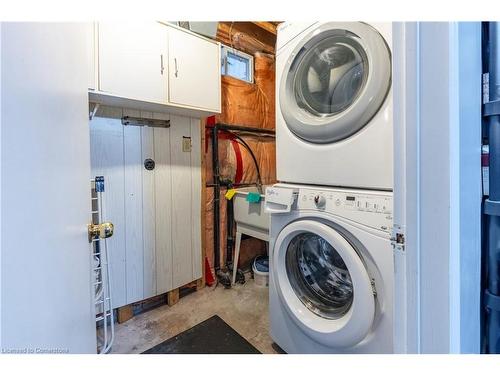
(334,104)
(331,270)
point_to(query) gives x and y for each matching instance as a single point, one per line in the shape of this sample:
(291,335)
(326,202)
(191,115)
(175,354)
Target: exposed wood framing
(268,26)
(246,36)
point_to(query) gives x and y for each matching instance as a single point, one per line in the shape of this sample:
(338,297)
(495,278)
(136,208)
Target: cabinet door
(131,60)
(194,70)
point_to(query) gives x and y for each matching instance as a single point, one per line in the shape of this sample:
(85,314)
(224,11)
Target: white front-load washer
(334,104)
(331,270)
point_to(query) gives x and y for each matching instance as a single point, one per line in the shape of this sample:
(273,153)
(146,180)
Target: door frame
(437,186)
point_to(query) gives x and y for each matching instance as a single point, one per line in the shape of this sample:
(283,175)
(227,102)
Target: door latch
(101,231)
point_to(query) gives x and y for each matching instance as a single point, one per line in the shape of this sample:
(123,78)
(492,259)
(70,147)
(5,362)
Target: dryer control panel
(368,208)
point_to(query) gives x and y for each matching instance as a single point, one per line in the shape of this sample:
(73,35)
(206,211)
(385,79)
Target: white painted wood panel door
(46,295)
(132,60)
(194,70)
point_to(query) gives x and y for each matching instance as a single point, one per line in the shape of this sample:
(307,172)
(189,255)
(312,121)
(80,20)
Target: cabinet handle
(176,70)
(162,68)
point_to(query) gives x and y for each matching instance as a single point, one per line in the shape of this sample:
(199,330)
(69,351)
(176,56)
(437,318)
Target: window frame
(224,71)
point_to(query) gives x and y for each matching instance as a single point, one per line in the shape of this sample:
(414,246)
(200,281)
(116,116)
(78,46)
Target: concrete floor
(243,307)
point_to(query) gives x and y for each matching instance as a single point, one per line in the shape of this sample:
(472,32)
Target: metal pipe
(229,230)
(235,185)
(247,129)
(216,208)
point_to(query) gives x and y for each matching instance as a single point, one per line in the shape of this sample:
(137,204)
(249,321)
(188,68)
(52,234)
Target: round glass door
(322,283)
(330,76)
(335,81)
(319,276)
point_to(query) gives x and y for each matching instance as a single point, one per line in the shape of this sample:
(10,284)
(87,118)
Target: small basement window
(237,64)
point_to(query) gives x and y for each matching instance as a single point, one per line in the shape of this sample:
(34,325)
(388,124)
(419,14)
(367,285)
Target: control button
(337,202)
(368,206)
(319,200)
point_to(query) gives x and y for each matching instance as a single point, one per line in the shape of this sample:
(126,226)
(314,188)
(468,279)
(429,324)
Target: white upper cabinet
(194,70)
(154,67)
(132,60)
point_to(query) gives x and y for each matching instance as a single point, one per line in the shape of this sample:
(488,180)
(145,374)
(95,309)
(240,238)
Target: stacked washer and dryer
(331,275)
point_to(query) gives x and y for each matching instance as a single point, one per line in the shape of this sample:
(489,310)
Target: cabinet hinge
(398,239)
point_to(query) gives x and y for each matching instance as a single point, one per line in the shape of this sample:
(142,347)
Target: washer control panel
(371,209)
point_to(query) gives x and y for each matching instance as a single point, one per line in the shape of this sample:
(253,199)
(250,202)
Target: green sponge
(253,197)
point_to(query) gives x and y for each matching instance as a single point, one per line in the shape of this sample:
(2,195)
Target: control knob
(319,201)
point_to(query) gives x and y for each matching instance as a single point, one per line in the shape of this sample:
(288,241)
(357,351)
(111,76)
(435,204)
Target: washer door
(335,81)
(323,283)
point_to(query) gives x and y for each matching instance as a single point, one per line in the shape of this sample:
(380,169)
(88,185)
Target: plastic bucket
(260,268)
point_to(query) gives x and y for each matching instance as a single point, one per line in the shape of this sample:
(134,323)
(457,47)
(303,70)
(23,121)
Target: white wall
(438,125)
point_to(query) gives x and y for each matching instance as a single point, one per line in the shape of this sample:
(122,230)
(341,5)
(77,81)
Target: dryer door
(335,81)
(323,283)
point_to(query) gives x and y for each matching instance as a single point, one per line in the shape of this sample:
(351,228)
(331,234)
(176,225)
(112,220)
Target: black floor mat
(213,336)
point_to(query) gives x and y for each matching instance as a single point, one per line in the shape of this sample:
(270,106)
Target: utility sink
(250,217)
